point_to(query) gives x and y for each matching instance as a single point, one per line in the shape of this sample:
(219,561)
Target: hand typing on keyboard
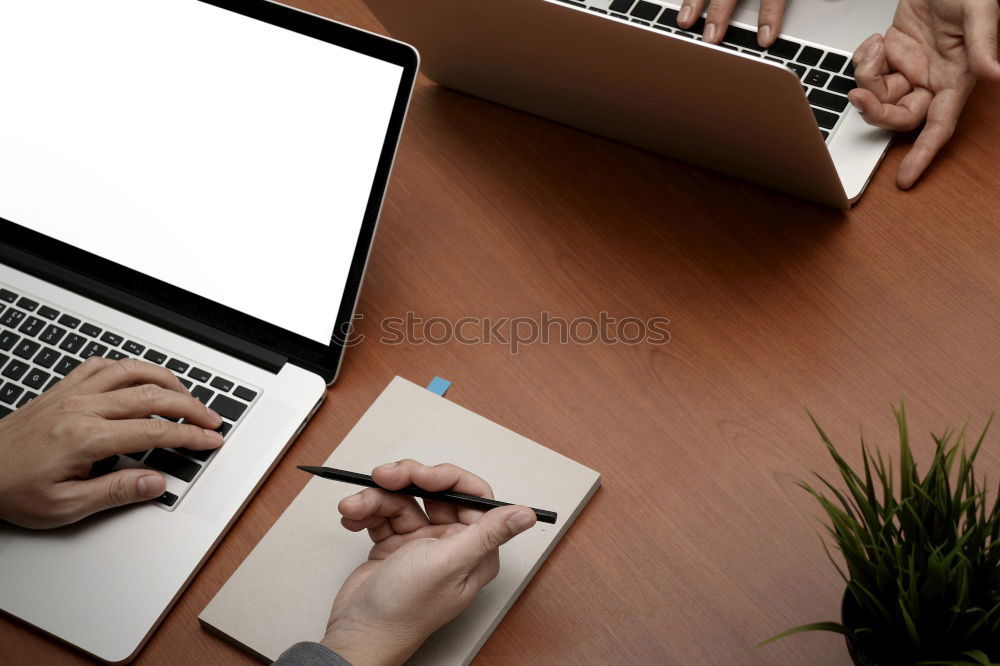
(101,409)
(719,12)
(923,70)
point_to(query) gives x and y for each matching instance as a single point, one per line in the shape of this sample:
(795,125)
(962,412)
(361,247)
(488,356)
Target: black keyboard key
(36,379)
(800,70)
(224,428)
(9,393)
(116,355)
(202,455)
(3,359)
(5,411)
(67,365)
(46,357)
(203,394)
(102,467)
(52,334)
(199,375)
(167,498)
(93,349)
(784,49)
(12,318)
(15,370)
(27,304)
(32,326)
(8,339)
(646,11)
(742,37)
(833,62)
(52,382)
(137,455)
(243,393)
(828,100)
(228,408)
(187,384)
(28,397)
(816,78)
(825,119)
(621,6)
(134,348)
(68,321)
(154,356)
(172,464)
(6,295)
(810,55)
(849,70)
(112,339)
(223,385)
(48,313)
(826,135)
(178,366)
(753,53)
(73,343)
(668,18)
(90,330)
(26,349)
(842,85)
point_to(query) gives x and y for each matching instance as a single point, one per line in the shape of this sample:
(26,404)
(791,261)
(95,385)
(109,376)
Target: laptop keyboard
(826,76)
(40,344)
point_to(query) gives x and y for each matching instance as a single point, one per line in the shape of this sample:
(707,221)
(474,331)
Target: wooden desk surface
(699,544)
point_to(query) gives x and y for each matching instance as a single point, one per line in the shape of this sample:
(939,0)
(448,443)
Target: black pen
(415,491)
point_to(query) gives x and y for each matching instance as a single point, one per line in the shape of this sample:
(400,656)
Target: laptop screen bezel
(307,353)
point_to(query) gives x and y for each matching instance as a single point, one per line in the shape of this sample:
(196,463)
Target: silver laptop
(195,184)
(624,69)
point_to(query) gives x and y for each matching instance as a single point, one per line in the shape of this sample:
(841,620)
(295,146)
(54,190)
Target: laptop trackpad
(242,463)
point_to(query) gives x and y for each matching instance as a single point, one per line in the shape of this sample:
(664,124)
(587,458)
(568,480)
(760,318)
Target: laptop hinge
(229,344)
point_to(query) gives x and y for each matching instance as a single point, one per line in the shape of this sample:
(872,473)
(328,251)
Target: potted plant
(922,556)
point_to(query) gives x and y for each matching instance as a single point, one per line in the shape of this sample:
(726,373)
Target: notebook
(283,591)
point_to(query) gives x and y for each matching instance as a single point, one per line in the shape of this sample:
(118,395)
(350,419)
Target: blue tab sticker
(439,386)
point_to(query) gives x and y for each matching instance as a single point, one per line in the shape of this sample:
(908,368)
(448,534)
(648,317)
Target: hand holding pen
(424,567)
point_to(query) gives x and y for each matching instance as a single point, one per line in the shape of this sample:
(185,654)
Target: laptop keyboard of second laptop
(826,75)
(40,343)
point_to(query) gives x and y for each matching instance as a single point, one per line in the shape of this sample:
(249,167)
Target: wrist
(362,646)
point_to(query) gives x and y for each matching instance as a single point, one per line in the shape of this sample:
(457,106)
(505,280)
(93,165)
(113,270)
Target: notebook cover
(283,591)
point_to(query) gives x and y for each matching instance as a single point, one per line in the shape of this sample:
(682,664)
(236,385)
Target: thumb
(494,529)
(980,26)
(126,486)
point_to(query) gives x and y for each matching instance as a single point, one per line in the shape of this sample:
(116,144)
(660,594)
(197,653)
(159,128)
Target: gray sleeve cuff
(310,654)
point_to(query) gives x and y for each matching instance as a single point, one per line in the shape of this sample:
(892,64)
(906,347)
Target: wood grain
(699,543)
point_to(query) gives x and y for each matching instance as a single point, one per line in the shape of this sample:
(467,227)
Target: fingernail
(685,14)
(149,486)
(212,414)
(216,437)
(710,32)
(387,466)
(855,103)
(351,499)
(520,521)
(764,35)
(871,51)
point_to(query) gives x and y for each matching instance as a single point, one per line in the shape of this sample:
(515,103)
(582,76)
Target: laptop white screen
(217,153)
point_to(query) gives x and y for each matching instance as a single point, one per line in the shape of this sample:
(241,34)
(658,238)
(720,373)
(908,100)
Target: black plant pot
(861,654)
